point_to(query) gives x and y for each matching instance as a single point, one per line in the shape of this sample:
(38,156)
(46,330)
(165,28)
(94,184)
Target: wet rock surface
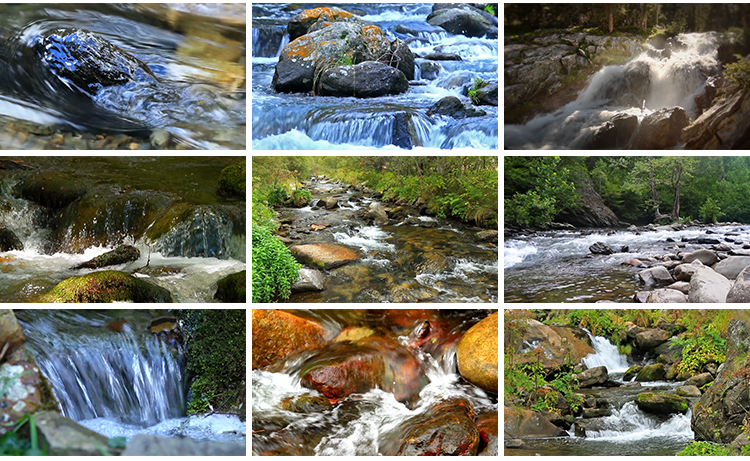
(106,287)
(277,335)
(477,354)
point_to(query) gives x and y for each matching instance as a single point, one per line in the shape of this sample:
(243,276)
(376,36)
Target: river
(103,202)
(444,262)
(555,266)
(663,82)
(297,121)
(627,431)
(118,384)
(191,94)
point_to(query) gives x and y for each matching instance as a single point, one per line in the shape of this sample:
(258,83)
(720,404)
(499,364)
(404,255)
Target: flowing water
(627,431)
(655,81)
(555,266)
(402,262)
(123,197)
(296,121)
(118,383)
(360,423)
(196,55)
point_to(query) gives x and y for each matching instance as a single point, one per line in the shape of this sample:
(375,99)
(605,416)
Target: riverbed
(191,96)
(556,266)
(297,121)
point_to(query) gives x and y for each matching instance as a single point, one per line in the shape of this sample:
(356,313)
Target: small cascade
(605,354)
(629,424)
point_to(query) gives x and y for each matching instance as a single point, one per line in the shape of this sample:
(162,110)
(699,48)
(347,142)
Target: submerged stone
(120,255)
(106,287)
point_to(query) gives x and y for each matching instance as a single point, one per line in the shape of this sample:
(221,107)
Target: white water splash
(605,354)
(629,424)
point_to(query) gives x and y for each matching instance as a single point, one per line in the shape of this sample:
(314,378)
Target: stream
(555,266)
(98,203)
(188,90)
(118,384)
(361,424)
(433,259)
(660,82)
(298,121)
(627,431)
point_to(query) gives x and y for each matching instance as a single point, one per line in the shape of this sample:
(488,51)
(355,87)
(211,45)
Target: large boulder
(662,403)
(233,179)
(445,429)
(655,372)
(301,23)
(106,287)
(656,276)
(592,377)
(661,129)
(726,125)
(120,255)
(732,266)
(277,335)
(152,445)
(688,391)
(555,344)
(592,212)
(8,240)
(615,133)
(309,280)
(707,286)
(684,272)
(707,257)
(61,436)
(520,423)
(324,256)
(368,79)
(452,106)
(699,380)
(649,339)
(487,95)
(464,21)
(667,295)
(232,288)
(477,354)
(600,248)
(740,291)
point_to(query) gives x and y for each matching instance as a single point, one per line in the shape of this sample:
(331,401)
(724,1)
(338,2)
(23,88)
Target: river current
(296,121)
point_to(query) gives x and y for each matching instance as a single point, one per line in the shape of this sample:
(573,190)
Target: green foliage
(274,267)
(263,215)
(538,187)
(276,195)
(707,449)
(738,72)
(475,87)
(703,342)
(530,209)
(345,60)
(304,193)
(15,444)
(490,9)
(215,348)
(710,211)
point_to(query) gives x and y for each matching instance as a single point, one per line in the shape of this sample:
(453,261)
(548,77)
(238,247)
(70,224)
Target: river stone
(331,203)
(688,391)
(309,280)
(9,241)
(487,95)
(233,180)
(477,354)
(649,339)
(732,266)
(667,295)
(592,377)
(232,288)
(299,201)
(151,445)
(429,70)
(24,391)
(600,248)
(364,80)
(64,437)
(661,129)
(658,275)
(105,287)
(559,343)
(490,236)
(301,23)
(452,106)
(516,443)
(740,291)
(11,334)
(446,428)
(632,372)
(655,372)
(354,334)
(707,286)
(522,423)
(707,257)
(699,380)
(277,335)
(324,256)
(306,404)
(684,272)
(661,403)
(120,255)
(682,287)
(468,22)
(488,432)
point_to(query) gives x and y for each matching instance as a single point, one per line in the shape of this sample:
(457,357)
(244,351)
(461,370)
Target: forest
(338,200)
(639,190)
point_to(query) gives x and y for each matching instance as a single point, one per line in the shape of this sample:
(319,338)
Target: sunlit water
(296,121)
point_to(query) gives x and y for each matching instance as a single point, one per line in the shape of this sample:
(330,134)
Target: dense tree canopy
(638,189)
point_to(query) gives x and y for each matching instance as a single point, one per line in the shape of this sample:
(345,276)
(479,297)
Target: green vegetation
(274,267)
(704,341)
(738,72)
(707,449)
(490,9)
(233,179)
(105,287)
(639,190)
(14,443)
(215,345)
(476,86)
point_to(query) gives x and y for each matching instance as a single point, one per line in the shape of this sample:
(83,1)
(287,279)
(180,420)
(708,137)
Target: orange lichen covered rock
(300,24)
(277,335)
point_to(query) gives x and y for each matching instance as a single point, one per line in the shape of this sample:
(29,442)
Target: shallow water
(196,53)
(296,121)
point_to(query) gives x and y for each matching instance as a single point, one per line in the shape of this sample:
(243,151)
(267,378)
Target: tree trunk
(656,20)
(611,18)
(654,192)
(644,22)
(676,203)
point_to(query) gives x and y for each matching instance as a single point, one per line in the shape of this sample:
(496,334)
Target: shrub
(304,193)
(490,9)
(706,449)
(274,267)
(710,211)
(739,72)
(529,209)
(276,195)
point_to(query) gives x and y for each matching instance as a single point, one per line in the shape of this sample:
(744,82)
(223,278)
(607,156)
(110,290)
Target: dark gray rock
(365,80)
(487,95)
(309,280)
(430,70)
(600,248)
(452,106)
(9,241)
(468,22)
(443,57)
(662,129)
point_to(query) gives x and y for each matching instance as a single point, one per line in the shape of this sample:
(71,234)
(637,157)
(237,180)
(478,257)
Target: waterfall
(605,354)
(629,424)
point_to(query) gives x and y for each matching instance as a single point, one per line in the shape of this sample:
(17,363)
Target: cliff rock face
(726,125)
(592,212)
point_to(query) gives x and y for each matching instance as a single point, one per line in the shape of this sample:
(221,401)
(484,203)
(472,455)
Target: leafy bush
(710,211)
(739,72)
(262,215)
(276,195)
(530,209)
(304,193)
(490,9)
(274,267)
(706,449)
(475,87)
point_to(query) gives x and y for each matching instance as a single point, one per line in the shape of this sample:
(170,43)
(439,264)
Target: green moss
(231,289)
(106,287)
(216,354)
(164,224)
(232,180)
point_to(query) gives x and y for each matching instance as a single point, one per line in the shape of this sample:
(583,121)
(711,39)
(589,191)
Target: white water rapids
(605,354)
(656,82)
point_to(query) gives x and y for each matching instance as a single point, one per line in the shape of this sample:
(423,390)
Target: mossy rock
(106,287)
(55,192)
(231,289)
(631,372)
(120,255)
(232,180)
(655,372)
(661,403)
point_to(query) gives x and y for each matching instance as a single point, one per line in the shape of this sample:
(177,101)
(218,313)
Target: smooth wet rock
(740,291)
(732,266)
(151,445)
(477,354)
(684,272)
(632,372)
(277,335)
(600,248)
(331,203)
(309,280)
(233,179)
(232,288)
(661,129)
(707,257)
(707,286)
(443,57)
(120,255)
(655,372)
(62,436)
(365,80)
(649,339)
(487,95)
(667,295)
(595,376)
(106,287)
(452,106)
(699,380)
(430,70)
(324,256)
(658,276)
(9,241)
(662,403)
(306,404)
(490,236)
(464,21)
